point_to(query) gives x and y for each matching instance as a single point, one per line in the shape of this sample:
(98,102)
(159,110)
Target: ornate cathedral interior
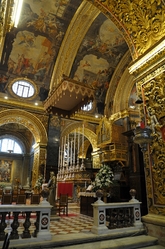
(82,85)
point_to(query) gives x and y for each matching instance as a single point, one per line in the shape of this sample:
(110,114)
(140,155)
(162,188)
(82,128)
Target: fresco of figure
(8,45)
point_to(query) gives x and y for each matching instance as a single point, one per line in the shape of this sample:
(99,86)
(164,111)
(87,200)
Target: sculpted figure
(52,188)
(51,185)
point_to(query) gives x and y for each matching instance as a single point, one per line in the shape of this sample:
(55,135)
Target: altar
(86,201)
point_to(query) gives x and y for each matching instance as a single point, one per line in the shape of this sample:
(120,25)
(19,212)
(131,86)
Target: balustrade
(111,217)
(41,222)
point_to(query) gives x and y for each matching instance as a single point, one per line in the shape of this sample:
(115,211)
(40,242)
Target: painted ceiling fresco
(31,49)
(98,55)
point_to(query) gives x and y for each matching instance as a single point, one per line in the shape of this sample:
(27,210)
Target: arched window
(87,107)
(10,146)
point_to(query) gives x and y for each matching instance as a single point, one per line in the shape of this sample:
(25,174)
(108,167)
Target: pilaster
(149,71)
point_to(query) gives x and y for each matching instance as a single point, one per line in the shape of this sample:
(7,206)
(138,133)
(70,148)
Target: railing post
(137,216)
(15,224)
(44,221)
(99,216)
(3,225)
(136,209)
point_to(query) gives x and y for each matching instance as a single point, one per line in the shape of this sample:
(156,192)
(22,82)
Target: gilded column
(39,162)
(149,71)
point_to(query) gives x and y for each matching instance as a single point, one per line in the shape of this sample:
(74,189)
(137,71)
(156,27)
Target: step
(122,243)
(132,242)
(153,247)
(141,241)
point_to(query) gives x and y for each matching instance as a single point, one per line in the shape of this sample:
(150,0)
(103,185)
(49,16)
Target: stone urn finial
(132,193)
(99,194)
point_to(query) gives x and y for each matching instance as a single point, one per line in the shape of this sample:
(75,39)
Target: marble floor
(77,227)
(73,223)
(60,225)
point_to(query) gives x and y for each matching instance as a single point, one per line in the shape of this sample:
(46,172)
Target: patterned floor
(73,223)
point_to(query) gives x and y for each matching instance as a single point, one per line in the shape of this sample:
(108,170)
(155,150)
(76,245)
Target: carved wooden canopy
(68,98)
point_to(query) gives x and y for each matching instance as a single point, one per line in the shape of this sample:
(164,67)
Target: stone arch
(114,84)
(88,133)
(110,10)
(26,119)
(37,129)
(123,92)
(135,22)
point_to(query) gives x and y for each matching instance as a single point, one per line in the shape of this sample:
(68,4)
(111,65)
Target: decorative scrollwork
(143,22)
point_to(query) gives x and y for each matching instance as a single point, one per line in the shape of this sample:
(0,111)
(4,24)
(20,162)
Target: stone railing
(111,217)
(11,214)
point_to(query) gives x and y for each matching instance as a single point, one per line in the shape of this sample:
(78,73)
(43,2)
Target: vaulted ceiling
(89,42)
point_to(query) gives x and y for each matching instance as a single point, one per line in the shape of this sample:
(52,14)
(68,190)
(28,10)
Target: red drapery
(65,188)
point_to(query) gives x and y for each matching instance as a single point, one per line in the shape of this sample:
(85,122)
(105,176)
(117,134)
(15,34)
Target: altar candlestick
(68,152)
(83,143)
(78,148)
(61,152)
(74,156)
(71,153)
(59,158)
(44,173)
(64,151)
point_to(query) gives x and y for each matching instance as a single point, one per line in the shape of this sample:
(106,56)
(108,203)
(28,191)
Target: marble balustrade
(112,217)
(42,222)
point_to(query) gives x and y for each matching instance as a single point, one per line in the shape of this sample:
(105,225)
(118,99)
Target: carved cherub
(153,120)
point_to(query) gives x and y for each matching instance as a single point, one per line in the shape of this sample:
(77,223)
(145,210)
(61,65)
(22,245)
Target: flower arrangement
(17,181)
(104,178)
(39,182)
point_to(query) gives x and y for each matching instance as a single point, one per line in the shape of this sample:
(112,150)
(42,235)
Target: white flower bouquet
(39,182)
(104,178)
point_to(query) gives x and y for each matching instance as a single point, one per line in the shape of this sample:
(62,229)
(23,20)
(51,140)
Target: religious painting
(3,82)
(5,170)
(30,50)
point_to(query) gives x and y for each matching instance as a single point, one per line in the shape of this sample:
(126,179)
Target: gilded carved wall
(108,133)
(142,24)
(151,89)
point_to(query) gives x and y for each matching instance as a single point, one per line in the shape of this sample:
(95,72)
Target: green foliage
(39,182)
